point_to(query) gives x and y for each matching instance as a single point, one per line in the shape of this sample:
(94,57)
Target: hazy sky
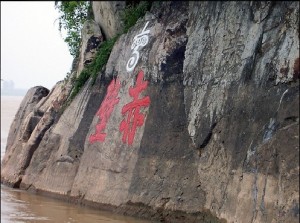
(32,50)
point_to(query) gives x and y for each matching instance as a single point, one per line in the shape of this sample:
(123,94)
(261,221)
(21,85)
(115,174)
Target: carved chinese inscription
(139,40)
(133,117)
(105,110)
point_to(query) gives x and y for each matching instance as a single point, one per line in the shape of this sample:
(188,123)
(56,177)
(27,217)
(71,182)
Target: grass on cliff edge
(91,70)
(129,17)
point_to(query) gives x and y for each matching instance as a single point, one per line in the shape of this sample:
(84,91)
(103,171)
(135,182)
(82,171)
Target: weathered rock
(35,116)
(91,38)
(58,150)
(16,156)
(33,96)
(216,136)
(108,15)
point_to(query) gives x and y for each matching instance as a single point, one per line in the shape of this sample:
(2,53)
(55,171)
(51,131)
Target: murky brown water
(18,206)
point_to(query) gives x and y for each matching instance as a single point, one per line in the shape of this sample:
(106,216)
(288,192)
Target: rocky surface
(92,37)
(108,15)
(19,148)
(214,131)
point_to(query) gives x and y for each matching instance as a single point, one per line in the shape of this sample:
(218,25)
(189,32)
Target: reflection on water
(18,206)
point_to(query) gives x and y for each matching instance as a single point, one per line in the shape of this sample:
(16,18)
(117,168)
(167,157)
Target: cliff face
(108,15)
(194,119)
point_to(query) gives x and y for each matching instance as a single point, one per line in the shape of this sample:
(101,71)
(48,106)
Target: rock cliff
(195,118)
(108,15)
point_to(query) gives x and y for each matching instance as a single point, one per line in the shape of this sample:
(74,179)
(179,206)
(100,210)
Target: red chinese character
(134,117)
(105,110)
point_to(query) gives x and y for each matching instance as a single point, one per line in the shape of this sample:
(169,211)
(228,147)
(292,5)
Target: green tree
(72,16)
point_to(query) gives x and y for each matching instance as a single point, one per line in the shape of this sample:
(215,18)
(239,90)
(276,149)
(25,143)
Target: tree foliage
(72,16)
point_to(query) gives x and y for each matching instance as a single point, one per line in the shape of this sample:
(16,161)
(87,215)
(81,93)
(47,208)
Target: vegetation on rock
(133,12)
(73,15)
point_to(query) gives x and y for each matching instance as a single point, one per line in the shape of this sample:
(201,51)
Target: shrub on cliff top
(130,16)
(72,16)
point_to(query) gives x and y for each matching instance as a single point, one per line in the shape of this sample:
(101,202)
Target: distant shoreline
(14,92)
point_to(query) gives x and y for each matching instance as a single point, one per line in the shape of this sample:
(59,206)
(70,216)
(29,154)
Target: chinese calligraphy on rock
(134,118)
(105,110)
(139,40)
(132,111)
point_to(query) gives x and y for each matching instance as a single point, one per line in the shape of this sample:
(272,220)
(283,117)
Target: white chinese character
(139,40)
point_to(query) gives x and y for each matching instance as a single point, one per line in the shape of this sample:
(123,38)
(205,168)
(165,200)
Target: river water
(18,206)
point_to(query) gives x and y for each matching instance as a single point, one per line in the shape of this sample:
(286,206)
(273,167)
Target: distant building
(8,89)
